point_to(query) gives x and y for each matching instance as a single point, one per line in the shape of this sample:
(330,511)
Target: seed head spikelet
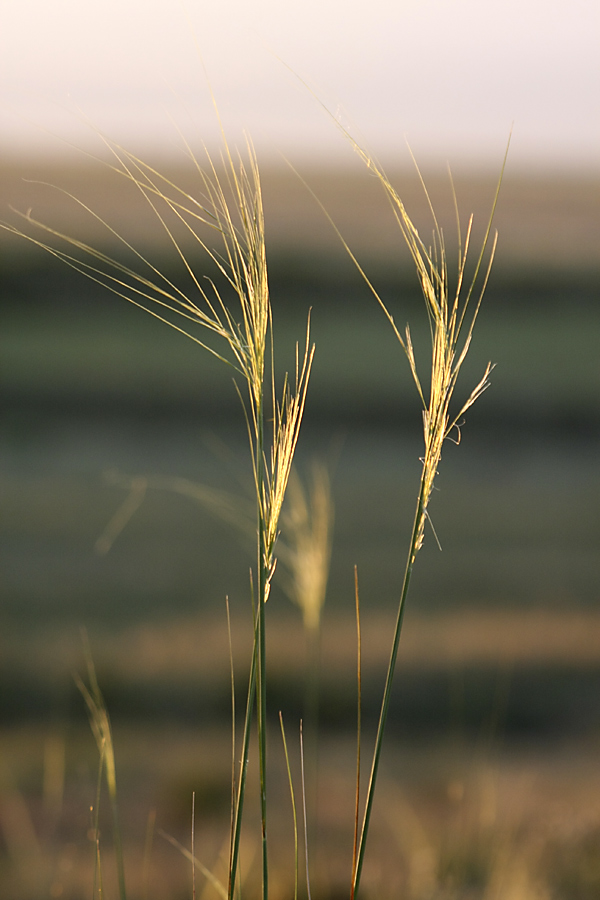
(306,552)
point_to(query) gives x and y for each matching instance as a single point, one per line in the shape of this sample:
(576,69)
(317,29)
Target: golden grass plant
(452,311)
(228,207)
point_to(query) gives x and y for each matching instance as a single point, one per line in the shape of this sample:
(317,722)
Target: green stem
(310,727)
(418,523)
(237,830)
(257,683)
(262,748)
(261,696)
(118,845)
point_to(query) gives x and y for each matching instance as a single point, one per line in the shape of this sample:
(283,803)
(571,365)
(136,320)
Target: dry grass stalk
(452,313)
(228,206)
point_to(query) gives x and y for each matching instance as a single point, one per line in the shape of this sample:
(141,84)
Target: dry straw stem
(230,508)
(101,729)
(293,801)
(196,864)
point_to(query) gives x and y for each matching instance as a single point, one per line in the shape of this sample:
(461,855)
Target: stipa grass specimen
(228,207)
(452,311)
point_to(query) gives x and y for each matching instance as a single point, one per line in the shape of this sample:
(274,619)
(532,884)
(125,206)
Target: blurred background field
(489,787)
(93,386)
(489,777)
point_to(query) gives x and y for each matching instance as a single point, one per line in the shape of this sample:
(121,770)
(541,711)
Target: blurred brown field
(470,808)
(490,787)
(454,817)
(548,221)
(197,646)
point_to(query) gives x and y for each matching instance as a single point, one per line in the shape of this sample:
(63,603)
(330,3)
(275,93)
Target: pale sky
(448,76)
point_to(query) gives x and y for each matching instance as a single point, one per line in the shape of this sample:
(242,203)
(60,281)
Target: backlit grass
(230,318)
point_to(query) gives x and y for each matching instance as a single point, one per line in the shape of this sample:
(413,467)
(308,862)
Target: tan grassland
(547,222)
(458,820)
(197,647)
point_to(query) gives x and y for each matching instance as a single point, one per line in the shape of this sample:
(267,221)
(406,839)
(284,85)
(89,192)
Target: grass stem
(358,734)
(451,334)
